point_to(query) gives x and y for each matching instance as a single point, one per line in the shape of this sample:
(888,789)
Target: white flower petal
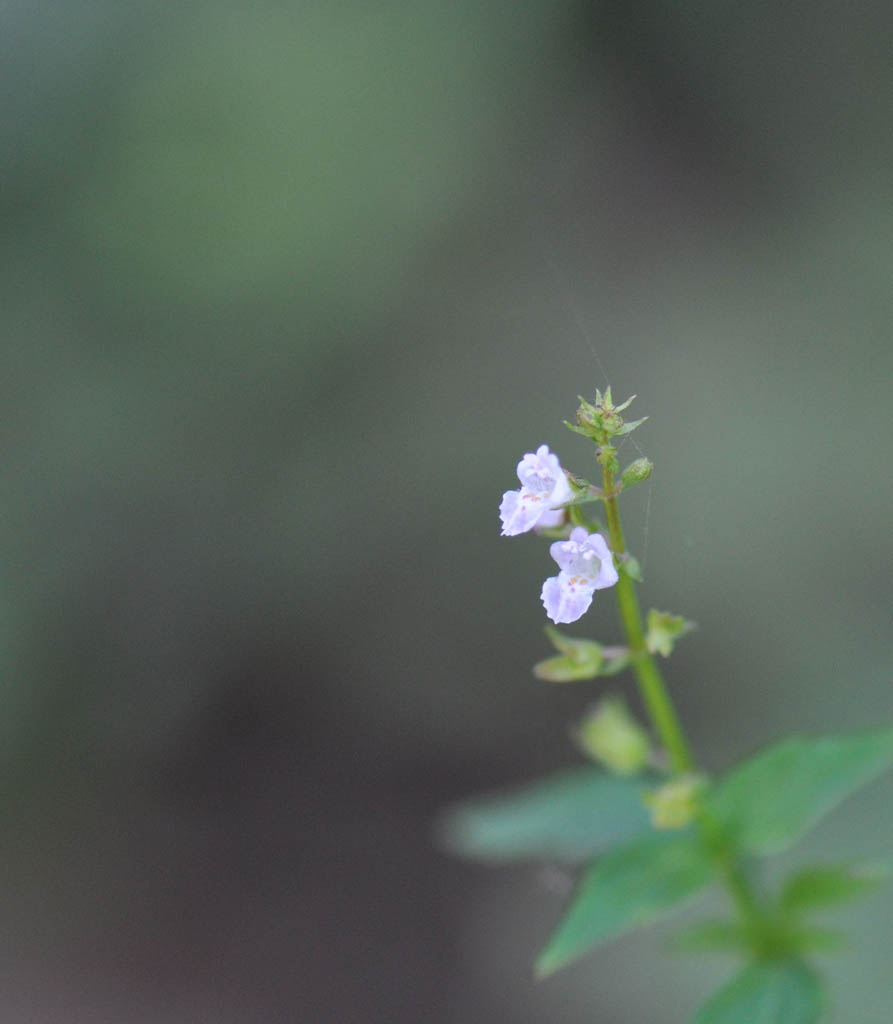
(539,472)
(519,512)
(566,598)
(550,519)
(562,491)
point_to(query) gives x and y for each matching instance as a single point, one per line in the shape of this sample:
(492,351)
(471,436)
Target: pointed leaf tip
(772,798)
(627,887)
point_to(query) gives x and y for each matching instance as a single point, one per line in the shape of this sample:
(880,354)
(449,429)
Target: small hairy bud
(636,472)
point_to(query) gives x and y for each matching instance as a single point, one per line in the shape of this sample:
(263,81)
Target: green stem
(654,690)
(665,721)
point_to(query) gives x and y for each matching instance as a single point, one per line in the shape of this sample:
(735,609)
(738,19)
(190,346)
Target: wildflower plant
(648,826)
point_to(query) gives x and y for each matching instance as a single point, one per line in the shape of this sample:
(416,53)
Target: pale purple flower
(543,488)
(586,565)
(551,519)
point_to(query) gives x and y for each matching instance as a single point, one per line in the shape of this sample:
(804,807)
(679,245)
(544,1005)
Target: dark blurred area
(288,290)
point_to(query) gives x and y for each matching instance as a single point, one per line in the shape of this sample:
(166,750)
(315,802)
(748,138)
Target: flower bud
(609,734)
(674,804)
(636,472)
(601,420)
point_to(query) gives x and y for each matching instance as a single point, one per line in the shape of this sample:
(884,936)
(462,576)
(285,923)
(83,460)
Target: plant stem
(654,690)
(668,727)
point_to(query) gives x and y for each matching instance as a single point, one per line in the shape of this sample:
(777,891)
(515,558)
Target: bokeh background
(288,288)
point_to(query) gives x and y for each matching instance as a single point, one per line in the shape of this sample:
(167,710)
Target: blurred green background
(288,289)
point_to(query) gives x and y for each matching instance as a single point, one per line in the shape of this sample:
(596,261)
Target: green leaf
(770,800)
(577,659)
(624,888)
(663,630)
(712,936)
(574,647)
(775,939)
(771,993)
(567,817)
(811,939)
(562,669)
(828,885)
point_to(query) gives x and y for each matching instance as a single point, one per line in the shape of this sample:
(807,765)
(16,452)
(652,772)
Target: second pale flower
(586,565)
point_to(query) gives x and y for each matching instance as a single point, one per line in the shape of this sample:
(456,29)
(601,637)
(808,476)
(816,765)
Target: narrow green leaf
(828,885)
(712,936)
(563,669)
(777,939)
(616,660)
(812,939)
(582,650)
(772,993)
(626,887)
(770,800)
(577,659)
(566,817)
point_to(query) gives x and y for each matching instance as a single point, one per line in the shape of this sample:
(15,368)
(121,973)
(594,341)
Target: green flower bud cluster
(601,422)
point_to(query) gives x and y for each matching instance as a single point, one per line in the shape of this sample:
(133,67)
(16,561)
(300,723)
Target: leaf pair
(763,805)
(579,659)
